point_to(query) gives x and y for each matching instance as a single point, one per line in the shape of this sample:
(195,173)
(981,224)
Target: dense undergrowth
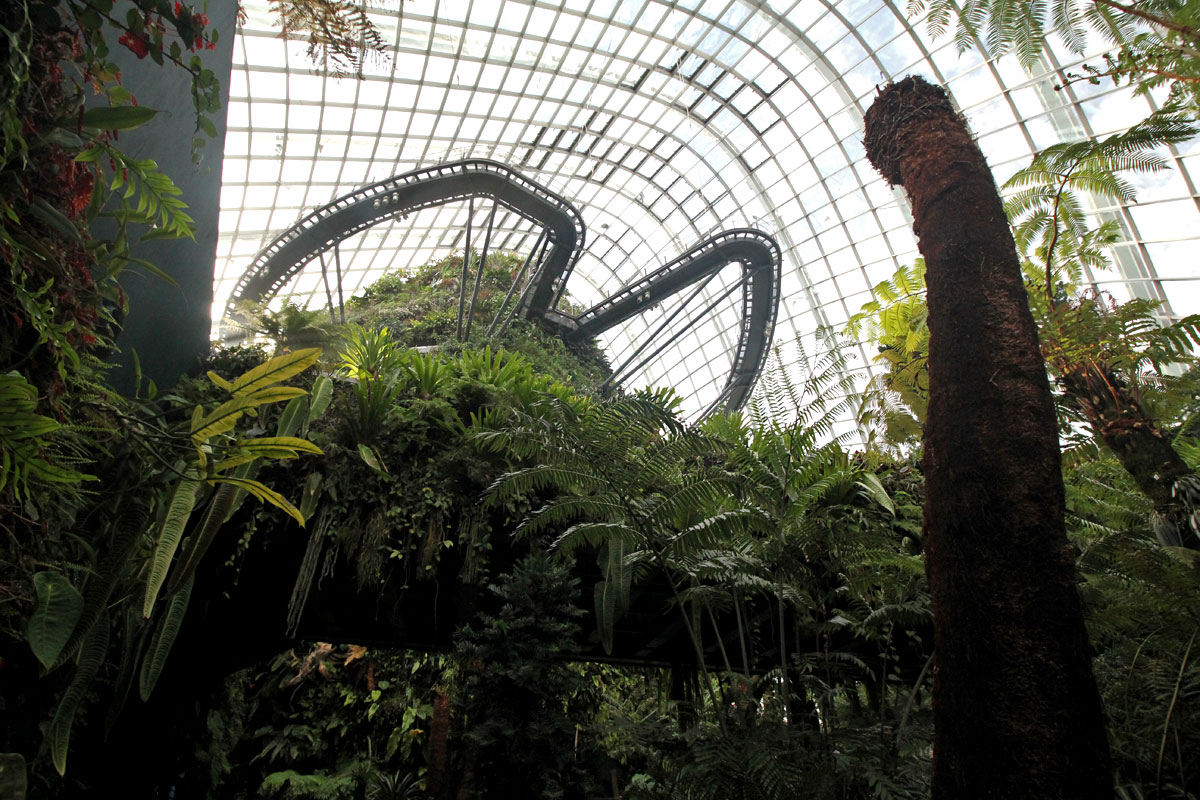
(162,553)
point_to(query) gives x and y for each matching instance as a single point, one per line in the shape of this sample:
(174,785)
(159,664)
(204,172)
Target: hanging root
(308,570)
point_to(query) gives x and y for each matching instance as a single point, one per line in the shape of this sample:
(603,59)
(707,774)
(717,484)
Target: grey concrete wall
(169,326)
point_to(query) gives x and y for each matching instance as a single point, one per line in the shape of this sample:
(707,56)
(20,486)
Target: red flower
(178,9)
(81,196)
(138,44)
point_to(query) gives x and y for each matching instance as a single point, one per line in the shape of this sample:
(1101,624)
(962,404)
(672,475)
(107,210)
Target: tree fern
(1152,43)
(1047,210)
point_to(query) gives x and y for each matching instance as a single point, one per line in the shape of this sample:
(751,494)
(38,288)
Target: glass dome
(663,123)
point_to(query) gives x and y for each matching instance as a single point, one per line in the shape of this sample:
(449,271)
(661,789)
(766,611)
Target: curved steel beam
(761,262)
(324,228)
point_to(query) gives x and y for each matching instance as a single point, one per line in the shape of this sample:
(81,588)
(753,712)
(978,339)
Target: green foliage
(1093,345)
(897,396)
(373,360)
(1152,43)
(163,639)
(1047,210)
(145,563)
(420,308)
(1141,600)
(290,327)
(344,720)
(169,536)
(61,169)
(292,784)
(1124,339)
(519,737)
(25,440)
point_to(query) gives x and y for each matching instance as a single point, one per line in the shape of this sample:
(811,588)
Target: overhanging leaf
(164,638)
(312,492)
(169,536)
(219,420)
(264,494)
(117,118)
(274,394)
(279,368)
(292,444)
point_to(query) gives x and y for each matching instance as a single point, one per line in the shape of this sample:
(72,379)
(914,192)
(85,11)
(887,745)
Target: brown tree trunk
(1016,709)
(439,733)
(1117,416)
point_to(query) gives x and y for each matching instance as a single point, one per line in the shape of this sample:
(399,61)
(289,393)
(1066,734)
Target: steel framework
(548,265)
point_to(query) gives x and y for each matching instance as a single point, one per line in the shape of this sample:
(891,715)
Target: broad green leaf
(55,219)
(182,502)
(215,514)
(292,443)
(322,394)
(312,492)
(90,154)
(371,458)
(279,368)
(58,607)
(219,420)
(119,95)
(25,425)
(274,394)
(872,488)
(289,420)
(246,450)
(117,118)
(238,460)
(46,471)
(249,470)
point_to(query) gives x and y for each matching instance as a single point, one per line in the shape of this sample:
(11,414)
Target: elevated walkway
(550,267)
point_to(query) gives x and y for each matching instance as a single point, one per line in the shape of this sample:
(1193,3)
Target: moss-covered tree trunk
(1016,709)
(1117,416)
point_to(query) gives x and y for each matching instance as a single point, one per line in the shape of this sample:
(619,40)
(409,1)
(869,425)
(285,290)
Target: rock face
(1016,709)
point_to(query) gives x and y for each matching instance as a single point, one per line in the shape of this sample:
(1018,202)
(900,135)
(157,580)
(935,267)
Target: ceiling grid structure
(663,122)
